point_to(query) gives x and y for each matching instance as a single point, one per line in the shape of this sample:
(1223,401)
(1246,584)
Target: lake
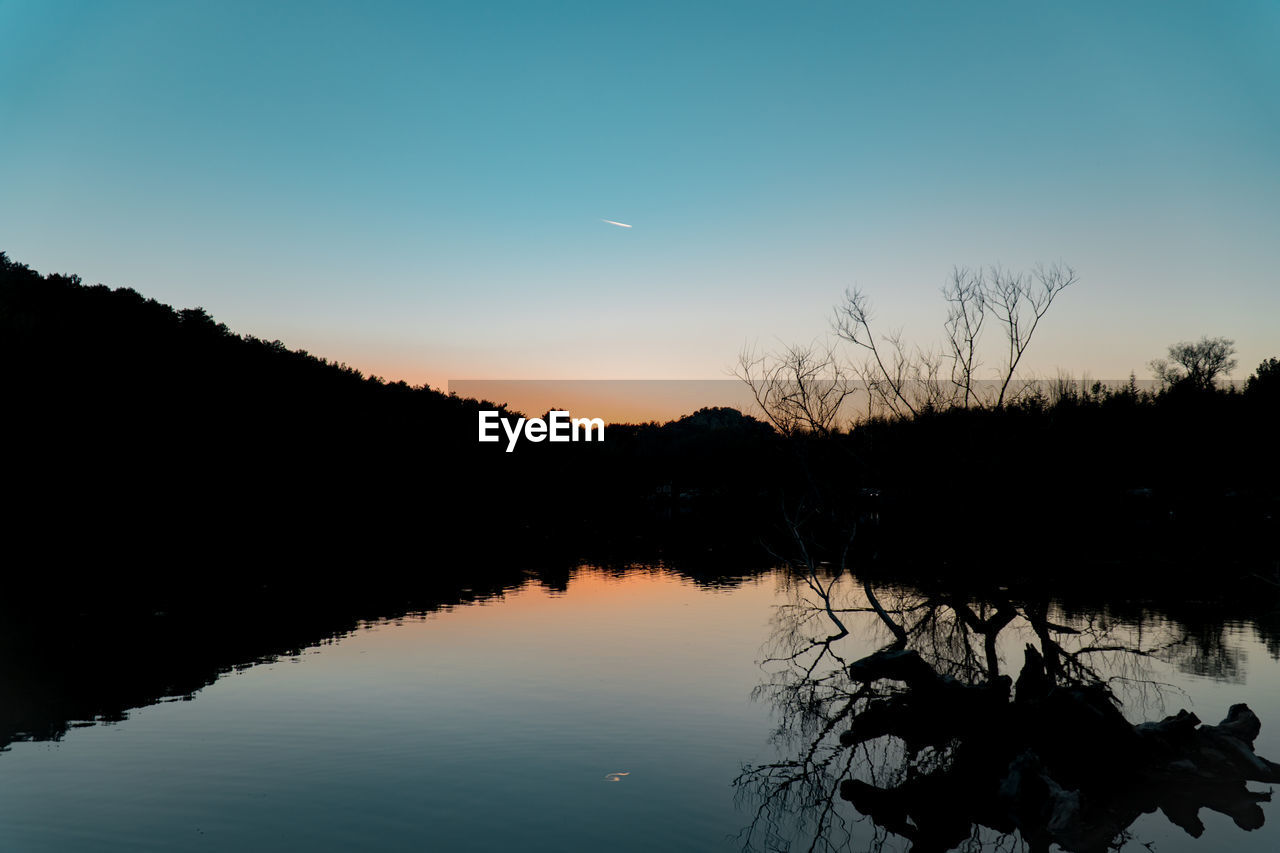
(608,710)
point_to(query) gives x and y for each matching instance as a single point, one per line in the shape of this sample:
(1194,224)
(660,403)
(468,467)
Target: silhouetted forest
(158,436)
(1091,476)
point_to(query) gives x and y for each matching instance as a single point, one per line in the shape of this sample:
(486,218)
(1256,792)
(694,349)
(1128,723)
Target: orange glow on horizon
(614,401)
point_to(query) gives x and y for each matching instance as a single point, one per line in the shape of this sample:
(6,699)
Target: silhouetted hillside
(159,435)
(136,429)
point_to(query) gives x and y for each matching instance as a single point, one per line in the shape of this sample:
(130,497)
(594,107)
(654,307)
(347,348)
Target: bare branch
(1019,302)
(852,323)
(966,295)
(801,389)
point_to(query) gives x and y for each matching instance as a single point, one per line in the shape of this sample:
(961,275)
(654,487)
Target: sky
(420,190)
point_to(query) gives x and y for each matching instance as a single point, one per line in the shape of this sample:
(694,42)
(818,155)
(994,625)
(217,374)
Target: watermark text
(558,426)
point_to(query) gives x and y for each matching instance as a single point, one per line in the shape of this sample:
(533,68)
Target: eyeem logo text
(557,427)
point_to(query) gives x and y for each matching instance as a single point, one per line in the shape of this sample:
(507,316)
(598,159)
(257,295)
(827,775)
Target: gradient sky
(417,189)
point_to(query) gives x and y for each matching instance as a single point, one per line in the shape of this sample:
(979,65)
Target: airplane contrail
(619,224)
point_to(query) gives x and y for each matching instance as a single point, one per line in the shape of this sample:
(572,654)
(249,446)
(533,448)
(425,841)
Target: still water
(614,713)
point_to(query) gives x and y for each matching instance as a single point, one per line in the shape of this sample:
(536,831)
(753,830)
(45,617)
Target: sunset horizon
(695,427)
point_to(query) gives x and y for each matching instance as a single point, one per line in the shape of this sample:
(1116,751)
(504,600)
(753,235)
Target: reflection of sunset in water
(403,735)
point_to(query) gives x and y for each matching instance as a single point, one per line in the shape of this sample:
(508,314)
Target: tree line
(954,454)
(141,429)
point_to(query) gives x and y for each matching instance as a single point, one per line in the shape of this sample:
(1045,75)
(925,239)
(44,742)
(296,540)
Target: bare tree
(888,368)
(800,388)
(1019,302)
(1196,364)
(905,382)
(966,295)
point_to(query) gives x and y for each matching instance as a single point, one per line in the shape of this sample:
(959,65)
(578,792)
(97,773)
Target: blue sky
(417,189)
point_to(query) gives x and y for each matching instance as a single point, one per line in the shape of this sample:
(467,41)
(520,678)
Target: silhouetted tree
(1265,382)
(1196,365)
(801,389)
(907,381)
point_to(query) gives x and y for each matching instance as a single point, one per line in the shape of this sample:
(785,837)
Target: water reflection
(990,719)
(106,646)
(987,719)
(405,733)
(103,649)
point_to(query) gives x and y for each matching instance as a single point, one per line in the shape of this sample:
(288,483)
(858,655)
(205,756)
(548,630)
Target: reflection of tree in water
(1208,652)
(942,748)
(1208,645)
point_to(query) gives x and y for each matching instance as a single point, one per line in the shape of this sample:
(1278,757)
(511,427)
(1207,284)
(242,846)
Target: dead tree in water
(931,741)
(1058,762)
